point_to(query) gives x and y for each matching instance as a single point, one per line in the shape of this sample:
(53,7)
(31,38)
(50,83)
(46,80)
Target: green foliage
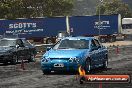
(114,7)
(11,9)
(84,7)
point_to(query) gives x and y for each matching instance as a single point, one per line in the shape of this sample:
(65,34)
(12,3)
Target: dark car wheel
(32,58)
(5,63)
(102,40)
(49,41)
(45,72)
(105,63)
(87,66)
(14,60)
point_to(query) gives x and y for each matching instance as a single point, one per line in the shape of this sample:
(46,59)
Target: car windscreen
(72,44)
(26,43)
(5,42)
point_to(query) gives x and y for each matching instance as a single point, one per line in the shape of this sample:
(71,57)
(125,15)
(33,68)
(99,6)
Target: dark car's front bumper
(5,58)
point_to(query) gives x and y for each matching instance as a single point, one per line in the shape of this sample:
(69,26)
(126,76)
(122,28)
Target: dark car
(14,49)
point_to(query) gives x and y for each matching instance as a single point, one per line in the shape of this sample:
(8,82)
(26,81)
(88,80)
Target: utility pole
(67,25)
(100,1)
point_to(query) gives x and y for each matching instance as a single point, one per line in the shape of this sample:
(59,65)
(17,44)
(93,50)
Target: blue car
(72,52)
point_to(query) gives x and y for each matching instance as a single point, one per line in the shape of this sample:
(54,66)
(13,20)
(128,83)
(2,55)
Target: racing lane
(32,77)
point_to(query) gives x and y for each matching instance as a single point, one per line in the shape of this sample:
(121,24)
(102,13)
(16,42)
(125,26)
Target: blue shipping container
(36,27)
(89,25)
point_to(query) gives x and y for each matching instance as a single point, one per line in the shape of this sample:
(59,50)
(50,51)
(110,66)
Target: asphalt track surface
(12,76)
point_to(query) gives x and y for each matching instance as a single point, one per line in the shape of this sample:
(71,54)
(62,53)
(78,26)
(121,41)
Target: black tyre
(111,39)
(105,63)
(46,72)
(114,38)
(87,66)
(32,58)
(102,40)
(14,60)
(49,41)
(5,63)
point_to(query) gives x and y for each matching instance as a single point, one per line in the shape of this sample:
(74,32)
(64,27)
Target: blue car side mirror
(94,48)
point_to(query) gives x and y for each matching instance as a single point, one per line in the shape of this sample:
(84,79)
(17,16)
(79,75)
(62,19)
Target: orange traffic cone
(22,65)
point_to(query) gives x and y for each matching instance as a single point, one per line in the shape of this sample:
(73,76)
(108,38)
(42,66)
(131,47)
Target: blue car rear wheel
(87,66)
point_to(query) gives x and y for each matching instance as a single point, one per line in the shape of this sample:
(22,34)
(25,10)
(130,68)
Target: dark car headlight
(71,60)
(45,59)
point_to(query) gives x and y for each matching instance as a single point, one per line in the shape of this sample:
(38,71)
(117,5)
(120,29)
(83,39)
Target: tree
(114,7)
(11,9)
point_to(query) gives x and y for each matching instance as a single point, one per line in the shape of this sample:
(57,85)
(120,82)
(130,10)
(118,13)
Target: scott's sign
(22,25)
(102,23)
